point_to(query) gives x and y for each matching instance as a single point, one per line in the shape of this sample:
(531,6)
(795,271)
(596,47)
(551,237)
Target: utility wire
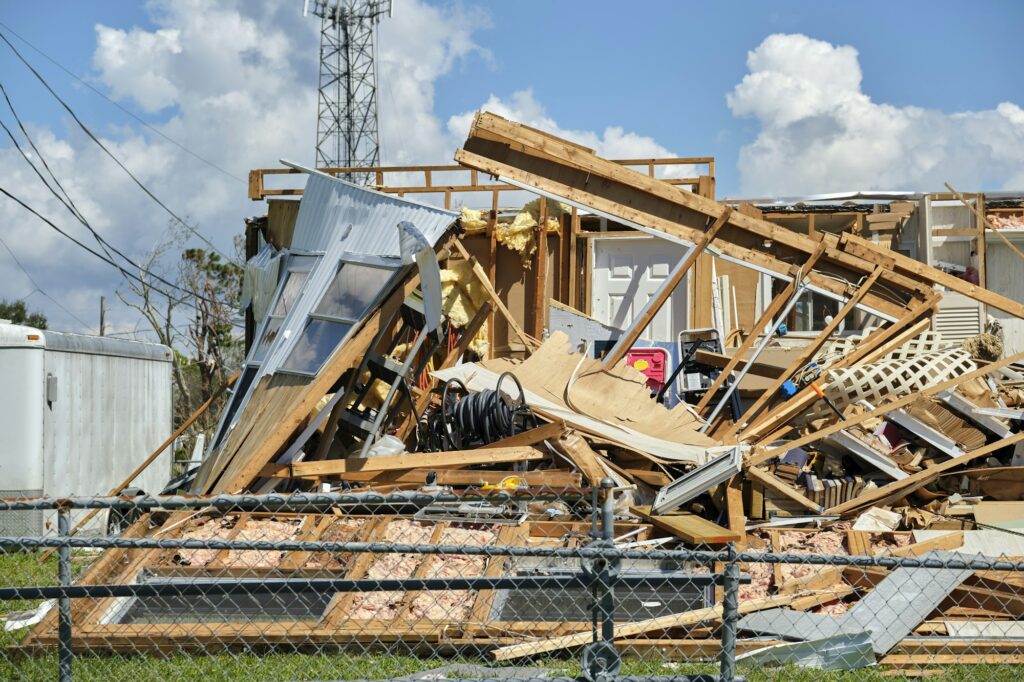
(100,144)
(66,70)
(126,273)
(104,244)
(38,288)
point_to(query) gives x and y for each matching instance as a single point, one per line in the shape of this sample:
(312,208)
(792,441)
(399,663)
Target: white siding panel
(1005,275)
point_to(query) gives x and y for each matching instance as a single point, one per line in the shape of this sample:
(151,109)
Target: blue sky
(660,69)
(792,98)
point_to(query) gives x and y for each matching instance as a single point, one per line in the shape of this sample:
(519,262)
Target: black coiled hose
(465,419)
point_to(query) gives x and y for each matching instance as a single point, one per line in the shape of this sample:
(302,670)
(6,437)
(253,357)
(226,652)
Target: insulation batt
(452,605)
(386,604)
(341,530)
(261,529)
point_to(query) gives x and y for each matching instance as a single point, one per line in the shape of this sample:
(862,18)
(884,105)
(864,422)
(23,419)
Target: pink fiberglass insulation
(268,530)
(204,529)
(386,605)
(452,605)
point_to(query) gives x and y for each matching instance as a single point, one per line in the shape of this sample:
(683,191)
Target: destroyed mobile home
(383,357)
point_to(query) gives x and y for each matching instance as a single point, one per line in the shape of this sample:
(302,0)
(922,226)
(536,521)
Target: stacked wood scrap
(893,419)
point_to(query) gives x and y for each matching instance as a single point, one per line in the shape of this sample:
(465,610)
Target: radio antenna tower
(347,126)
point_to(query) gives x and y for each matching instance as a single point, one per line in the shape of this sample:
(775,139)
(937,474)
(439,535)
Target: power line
(100,144)
(38,288)
(109,261)
(63,68)
(69,204)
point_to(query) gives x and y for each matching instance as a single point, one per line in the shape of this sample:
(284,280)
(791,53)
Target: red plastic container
(653,362)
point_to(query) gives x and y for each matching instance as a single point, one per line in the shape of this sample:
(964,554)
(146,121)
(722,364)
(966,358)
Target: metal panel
(366,220)
(888,613)
(109,413)
(698,481)
(838,652)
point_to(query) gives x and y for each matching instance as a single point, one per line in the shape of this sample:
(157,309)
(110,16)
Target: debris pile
(381,373)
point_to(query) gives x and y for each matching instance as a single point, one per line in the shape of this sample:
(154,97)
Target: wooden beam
(495,298)
(677,620)
(809,351)
(689,527)
(865,249)
(721,361)
(573,446)
(540,275)
(336,467)
(522,141)
(529,437)
(629,337)
(887,408)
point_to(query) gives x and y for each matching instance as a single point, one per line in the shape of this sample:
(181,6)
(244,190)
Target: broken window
(352,291)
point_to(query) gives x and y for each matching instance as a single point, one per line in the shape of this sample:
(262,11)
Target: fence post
(65,653)
(599,661)
(730,616)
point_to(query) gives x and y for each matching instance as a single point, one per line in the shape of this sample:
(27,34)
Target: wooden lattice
(926,342)
(894,377)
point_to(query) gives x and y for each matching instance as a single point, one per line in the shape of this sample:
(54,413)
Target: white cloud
(522,106)
(819,132)
(236,82)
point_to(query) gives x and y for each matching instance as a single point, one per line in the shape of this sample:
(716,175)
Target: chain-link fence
(482,585)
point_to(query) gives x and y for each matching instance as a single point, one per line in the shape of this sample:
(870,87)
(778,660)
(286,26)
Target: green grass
(22,569)
(339,666)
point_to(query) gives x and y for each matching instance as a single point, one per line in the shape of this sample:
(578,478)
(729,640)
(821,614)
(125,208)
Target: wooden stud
(629,337)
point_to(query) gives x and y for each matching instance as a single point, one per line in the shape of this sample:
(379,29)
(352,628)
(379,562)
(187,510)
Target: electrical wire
(66,70)
(107,247)
(102,146)
(38,288)
(109,261)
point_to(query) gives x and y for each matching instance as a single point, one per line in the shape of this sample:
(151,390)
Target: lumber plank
(721,361)
(689,527)
(572,445)
(886,408)
(334,467)
(676,620)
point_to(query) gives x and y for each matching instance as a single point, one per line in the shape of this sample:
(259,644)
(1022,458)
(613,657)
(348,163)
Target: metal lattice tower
(347,127)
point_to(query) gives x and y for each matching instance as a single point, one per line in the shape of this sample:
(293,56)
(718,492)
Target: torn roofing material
(364,219)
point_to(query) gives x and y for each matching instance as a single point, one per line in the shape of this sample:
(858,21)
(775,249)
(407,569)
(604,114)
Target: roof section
(17,336)
(331,208)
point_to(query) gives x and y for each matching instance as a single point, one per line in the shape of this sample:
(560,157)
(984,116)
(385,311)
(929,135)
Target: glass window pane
(353,289)
(290,292)
(270,333)
(317,342)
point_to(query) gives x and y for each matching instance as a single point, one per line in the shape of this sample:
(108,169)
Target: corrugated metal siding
(1005,276)
(331,207)
(109,413)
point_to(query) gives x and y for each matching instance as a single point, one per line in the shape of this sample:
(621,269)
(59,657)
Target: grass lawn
(22,569)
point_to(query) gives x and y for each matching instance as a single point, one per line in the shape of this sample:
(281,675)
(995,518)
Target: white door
(626,273)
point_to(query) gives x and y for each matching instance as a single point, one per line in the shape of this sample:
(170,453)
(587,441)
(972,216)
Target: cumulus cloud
(235,82)
(819,132)
(522,106)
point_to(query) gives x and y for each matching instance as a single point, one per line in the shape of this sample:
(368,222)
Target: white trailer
(77,414)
